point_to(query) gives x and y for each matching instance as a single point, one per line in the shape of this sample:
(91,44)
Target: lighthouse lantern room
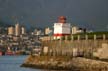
(61,28)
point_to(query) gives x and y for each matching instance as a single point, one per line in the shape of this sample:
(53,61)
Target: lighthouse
(61,28)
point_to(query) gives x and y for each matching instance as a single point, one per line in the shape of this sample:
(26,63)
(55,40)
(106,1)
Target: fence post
(94,37)
(60,41)
(50,39)
(86,37)
(72,38)
(78,37)
(104,37)
(66,38)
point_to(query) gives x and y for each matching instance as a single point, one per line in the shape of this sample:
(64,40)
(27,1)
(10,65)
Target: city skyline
(89,14)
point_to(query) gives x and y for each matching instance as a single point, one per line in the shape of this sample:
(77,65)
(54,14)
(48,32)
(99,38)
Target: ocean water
(12,63)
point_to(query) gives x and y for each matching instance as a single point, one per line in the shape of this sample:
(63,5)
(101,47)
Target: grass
(90,35)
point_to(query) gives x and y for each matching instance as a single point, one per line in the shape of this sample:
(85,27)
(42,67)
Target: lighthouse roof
(62,18)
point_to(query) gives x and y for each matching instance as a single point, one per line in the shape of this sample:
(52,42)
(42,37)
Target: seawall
(59,55)
(84,48)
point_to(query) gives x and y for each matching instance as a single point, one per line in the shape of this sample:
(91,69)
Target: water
(12,63)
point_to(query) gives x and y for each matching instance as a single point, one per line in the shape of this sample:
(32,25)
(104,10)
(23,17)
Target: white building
(17,30)
(37,32)
(47,31)
(23,30)
(61,28)
(76,30)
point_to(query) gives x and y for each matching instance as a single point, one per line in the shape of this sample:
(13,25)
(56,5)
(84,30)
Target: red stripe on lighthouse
(60,34)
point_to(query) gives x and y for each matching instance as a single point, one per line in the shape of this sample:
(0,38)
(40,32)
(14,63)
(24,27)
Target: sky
(90,14)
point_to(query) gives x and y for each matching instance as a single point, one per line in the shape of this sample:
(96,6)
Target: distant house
(76,29)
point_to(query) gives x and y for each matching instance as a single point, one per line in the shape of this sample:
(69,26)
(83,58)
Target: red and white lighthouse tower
(61,28)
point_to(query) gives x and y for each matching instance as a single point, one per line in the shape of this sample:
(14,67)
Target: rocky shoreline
(65,63)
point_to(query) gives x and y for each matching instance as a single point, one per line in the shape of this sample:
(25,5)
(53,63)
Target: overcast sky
(90,14)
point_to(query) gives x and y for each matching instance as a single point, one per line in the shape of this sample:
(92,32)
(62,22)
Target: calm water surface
(12,63)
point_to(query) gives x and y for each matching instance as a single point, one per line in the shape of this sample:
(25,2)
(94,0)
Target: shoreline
(45,62)
(62,63)
(46,67)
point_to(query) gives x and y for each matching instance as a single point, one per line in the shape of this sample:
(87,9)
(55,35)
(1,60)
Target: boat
(1,53)
(9,53)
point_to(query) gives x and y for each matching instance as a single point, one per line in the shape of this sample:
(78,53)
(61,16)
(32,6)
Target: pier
(76,54)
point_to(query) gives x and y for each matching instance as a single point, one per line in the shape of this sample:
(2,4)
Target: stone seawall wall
(72,48)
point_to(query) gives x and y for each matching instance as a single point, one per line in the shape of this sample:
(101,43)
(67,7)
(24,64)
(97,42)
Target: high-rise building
(17,29)
(10,30)
(61,28)
(23,30)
